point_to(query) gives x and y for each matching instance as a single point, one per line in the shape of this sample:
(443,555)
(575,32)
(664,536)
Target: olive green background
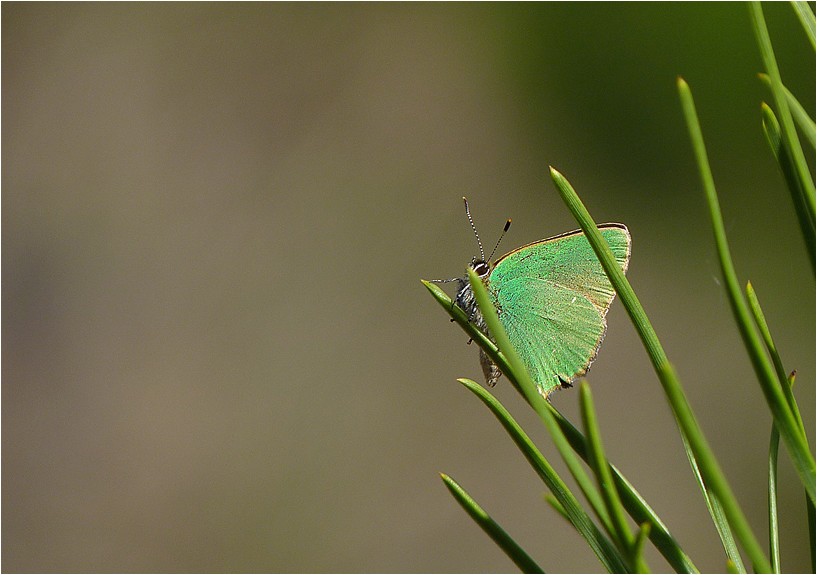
(217,354)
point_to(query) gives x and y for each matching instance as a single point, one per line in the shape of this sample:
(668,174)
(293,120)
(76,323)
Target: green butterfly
(552,297)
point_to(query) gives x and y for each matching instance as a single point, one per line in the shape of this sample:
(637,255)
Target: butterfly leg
(489,369)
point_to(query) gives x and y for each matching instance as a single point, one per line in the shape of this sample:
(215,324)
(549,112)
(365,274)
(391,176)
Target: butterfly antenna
(502,235)
(473,227)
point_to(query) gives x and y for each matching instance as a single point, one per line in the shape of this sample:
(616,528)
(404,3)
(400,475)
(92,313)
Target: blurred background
(218,355)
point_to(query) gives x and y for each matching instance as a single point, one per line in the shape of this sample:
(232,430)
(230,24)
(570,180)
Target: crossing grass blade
(804,122)
(635,504)
(790,141)
(601,546)
(806,17)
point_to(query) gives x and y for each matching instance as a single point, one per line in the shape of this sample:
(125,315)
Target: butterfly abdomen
(466,301)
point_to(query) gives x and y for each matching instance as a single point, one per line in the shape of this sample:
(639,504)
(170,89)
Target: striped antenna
(502,235)
(473,227)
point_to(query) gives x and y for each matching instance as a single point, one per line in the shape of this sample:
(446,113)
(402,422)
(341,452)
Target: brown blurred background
(217,352)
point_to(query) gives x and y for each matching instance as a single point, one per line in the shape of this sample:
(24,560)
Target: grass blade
(790,141)
(783,417)
(601,546)
(716,512)
(806,17)
(710,468)
(638,546)
(774,538)
(771,128)
(810,515)
(557,507)
(620,533)
(801,117)
(492,528)
(760,321)
(784,380)
(787,384)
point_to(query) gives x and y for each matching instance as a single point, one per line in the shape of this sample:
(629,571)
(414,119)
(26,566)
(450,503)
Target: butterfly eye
(481,267)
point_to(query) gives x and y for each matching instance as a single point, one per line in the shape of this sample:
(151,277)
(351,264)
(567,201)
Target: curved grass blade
(806,17)
(790,141)
(710,468)
(801,117)
(771,129)
(774,537)
(492,528)
(601,546)
(783,416)
(620,531)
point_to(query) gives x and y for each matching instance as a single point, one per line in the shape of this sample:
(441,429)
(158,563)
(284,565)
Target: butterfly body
(552,297)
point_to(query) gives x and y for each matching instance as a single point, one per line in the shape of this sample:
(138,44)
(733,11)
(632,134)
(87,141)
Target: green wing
(552,297)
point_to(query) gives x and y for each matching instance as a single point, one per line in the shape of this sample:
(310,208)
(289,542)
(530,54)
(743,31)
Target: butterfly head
(481,267)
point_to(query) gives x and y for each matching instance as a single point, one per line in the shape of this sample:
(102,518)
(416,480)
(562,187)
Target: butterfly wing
(552,297)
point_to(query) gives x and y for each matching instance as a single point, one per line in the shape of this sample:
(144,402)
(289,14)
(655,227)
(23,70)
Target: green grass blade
(806,17)
(710,468)
(492,528)
(787,383)
(771,128)
(783,417)
(810,516)
(620,531)
(716,512)
(774,446)
(801,117)
(557,507)
(774,539)
(601,546)
(760,321)
(636,506)
(790,141)
(638,547)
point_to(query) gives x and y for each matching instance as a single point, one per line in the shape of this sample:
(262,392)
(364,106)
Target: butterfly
(552,297)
